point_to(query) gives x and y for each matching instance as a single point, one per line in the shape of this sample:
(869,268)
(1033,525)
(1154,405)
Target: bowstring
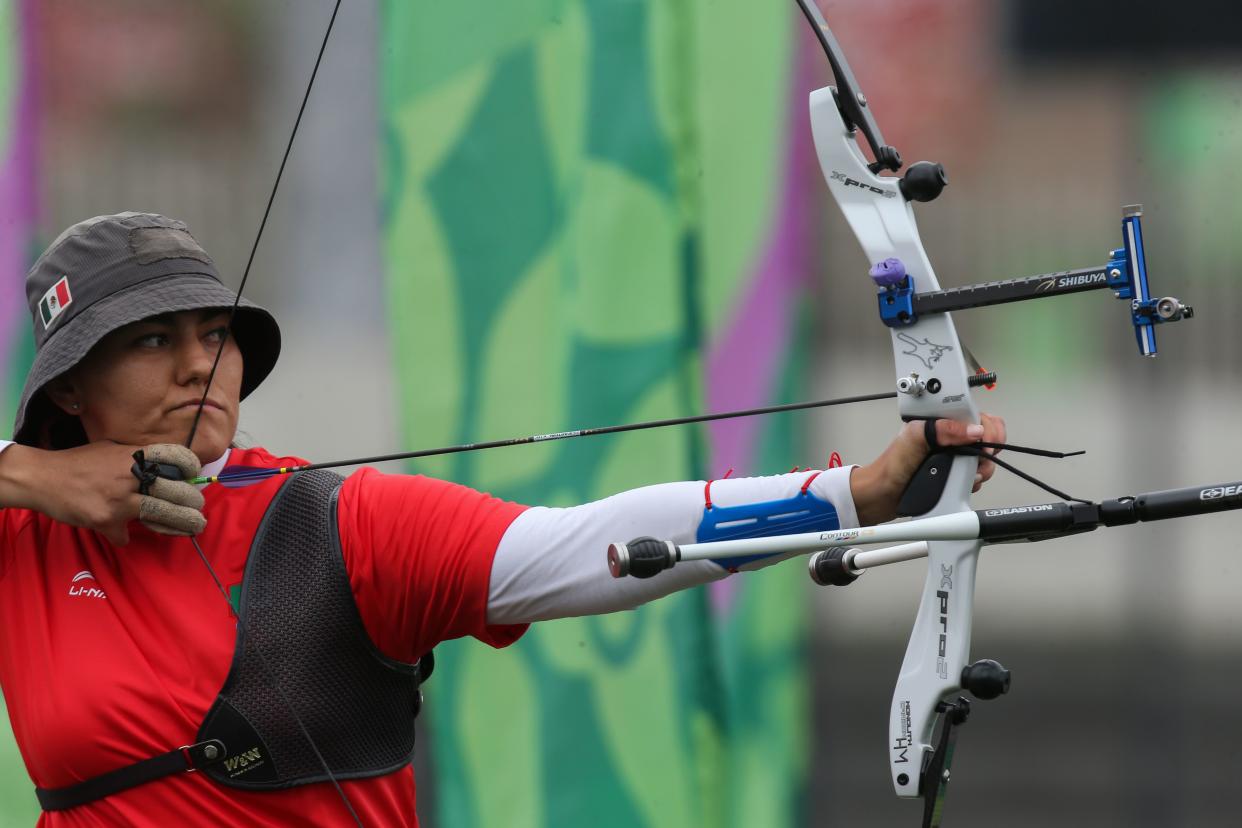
(228,330)
(254,248)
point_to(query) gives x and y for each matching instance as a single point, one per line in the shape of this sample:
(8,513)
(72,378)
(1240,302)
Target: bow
(934,378)
(934,381)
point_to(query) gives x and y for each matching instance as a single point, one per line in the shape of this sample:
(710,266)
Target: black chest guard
(299,621)
(301,649)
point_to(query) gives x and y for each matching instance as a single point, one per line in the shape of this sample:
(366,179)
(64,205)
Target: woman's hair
(57,428)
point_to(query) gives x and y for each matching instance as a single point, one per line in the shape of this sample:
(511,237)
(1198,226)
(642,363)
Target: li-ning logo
(55,301)
(853,182)
(79,589)
(244,761)
(1062,282)
(1217,492)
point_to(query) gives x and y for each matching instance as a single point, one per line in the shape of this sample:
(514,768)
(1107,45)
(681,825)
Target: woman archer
(295,700)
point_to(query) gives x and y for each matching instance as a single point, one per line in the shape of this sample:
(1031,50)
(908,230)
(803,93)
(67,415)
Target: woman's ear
(64,395)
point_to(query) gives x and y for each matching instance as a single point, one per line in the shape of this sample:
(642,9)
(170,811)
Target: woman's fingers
(169,518)
(990,430)
(993,429)
(174,454)
(993,432)
(958,433)
(177,492)
(173,507)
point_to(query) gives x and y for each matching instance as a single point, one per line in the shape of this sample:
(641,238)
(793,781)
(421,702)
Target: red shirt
(111,654)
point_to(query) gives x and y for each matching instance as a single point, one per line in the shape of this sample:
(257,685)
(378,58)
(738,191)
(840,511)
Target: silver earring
(75,406)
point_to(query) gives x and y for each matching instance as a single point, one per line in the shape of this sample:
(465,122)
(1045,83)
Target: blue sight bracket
(901,304)
(1127,276)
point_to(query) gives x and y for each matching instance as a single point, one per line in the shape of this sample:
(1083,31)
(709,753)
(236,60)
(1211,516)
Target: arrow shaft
(259,474)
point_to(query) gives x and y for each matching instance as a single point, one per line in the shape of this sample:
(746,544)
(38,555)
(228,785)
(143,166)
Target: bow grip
(927,485)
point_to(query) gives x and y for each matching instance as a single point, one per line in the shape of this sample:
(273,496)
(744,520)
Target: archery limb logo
(924,350)
(942,594)
(837,175)
(903,743)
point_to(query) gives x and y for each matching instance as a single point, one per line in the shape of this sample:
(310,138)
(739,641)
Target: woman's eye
(151,340)
(216,335)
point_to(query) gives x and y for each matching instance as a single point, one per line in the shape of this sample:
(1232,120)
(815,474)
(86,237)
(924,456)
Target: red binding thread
(707,491)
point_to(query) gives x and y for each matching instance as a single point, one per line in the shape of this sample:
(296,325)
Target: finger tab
(177,492)
(169,518)
(175,455)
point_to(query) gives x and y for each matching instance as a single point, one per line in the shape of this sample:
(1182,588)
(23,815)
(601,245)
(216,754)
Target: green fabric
(18,805)
(1192,123)
(764,648)
(576,195)
(17,802)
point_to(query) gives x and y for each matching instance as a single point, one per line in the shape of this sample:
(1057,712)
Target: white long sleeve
(551,563)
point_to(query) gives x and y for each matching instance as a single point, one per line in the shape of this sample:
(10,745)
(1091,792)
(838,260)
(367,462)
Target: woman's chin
(209,444)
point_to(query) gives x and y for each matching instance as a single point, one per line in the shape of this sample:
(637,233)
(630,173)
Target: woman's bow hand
(877,487)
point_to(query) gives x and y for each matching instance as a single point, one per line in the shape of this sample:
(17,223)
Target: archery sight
(1125,273)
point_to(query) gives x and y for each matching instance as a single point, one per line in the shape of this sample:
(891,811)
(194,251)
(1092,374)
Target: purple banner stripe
(18,196)
(745,362)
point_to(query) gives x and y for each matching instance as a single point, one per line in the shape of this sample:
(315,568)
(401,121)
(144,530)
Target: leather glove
(172,507)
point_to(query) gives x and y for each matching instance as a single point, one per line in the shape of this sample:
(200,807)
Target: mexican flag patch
(54,301)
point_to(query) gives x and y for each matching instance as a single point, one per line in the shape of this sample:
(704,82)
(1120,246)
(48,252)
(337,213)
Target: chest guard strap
(301,644)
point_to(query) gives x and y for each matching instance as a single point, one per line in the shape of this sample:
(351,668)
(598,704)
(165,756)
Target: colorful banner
(17,216)
(583,198)
(17,192)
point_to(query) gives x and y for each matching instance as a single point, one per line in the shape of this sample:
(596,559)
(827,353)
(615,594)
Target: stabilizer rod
(646,557)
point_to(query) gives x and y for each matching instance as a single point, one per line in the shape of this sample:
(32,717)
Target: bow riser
(930,360)
(883,221)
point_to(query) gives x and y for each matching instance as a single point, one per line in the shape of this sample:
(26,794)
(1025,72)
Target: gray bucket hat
(109,271)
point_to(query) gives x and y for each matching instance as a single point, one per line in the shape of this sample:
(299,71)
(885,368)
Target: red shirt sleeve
(419,555)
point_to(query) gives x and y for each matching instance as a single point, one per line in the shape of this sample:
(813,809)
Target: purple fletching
(235,477)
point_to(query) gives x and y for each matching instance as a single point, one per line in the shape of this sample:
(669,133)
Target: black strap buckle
(203,754)
(185,759)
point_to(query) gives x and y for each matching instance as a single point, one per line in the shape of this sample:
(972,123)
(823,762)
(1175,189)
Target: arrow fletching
(236,477)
